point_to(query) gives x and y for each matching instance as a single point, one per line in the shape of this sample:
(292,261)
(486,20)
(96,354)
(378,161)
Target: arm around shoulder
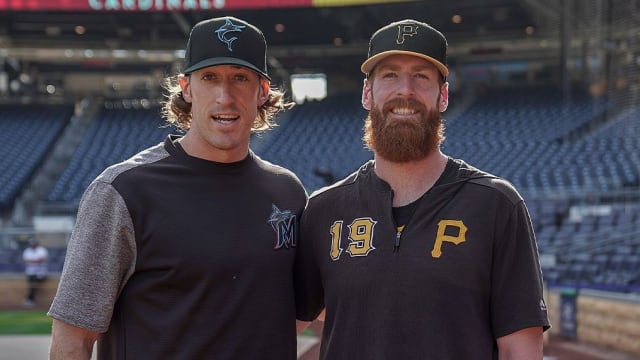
(69,342)
(524,344)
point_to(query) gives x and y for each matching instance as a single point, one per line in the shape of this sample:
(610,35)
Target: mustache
(403,103)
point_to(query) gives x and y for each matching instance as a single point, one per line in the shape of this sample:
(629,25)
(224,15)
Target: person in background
(418,255)
(35,261)
(179,250)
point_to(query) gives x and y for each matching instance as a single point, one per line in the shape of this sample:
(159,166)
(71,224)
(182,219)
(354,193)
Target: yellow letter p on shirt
(442,237)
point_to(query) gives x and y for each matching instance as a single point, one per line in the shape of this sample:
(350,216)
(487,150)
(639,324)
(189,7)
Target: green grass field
(25,322)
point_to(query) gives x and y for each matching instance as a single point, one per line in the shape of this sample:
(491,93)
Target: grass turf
(36,322)
(25,322)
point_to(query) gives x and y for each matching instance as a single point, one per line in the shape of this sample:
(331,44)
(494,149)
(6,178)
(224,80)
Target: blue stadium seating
(597,251)
(521,136)
(524,136)
(55,261)
(27,133)
(114,136)
(11,260)
(319,136)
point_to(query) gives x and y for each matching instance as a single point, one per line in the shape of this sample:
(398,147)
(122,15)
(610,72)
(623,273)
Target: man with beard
(418,255)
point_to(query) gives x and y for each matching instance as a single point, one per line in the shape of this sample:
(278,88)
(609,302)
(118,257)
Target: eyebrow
(232,66)
(428,68)
(413,68)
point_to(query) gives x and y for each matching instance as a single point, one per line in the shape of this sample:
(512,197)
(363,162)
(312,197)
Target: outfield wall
(596,317)
(13,290)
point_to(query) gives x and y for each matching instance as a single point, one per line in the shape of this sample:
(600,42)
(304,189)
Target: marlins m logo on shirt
(283,223)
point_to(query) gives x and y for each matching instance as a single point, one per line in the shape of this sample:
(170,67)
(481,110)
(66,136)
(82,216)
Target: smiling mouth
(225,119)
(403,107)
(403,111)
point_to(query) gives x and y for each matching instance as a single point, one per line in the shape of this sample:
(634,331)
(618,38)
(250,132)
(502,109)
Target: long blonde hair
(177,111)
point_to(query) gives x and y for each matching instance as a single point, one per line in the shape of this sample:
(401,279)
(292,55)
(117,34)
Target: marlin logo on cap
(406,30)
(227,28)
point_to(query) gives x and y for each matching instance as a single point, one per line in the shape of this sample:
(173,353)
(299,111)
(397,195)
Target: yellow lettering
(336,250)
(442,237)
(361,236)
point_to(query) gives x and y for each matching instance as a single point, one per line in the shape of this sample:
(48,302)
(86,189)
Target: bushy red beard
(403,141)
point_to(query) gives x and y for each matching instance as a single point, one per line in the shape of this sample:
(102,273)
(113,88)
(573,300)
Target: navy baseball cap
(408,37)
(226,41)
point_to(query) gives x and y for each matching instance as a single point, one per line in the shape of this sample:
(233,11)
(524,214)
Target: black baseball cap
(226,41)
(408,37)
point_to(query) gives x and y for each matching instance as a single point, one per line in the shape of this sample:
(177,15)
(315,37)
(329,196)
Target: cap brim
(224,61)
(371,62)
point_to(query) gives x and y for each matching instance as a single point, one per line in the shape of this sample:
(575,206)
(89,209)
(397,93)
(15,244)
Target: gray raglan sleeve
(101,256)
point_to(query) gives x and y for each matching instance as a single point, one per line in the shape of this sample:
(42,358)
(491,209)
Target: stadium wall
(600,318)
(13,288)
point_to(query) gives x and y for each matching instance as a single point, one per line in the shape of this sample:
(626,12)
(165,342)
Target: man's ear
(263,94)
(366,94)
(444,97)
(186,87)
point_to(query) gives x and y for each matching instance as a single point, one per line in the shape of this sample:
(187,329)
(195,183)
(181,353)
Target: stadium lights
(80,30)
(52,31)
(119,54)
(308,87)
